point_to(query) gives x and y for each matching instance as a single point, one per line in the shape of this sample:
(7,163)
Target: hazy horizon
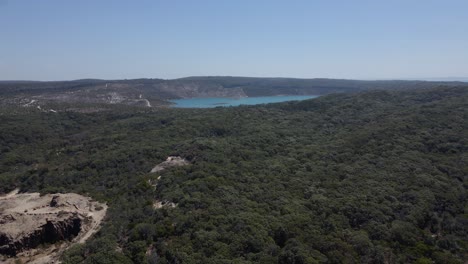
(440,79)
(361,40)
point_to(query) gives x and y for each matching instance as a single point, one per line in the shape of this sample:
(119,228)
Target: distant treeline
(250,86)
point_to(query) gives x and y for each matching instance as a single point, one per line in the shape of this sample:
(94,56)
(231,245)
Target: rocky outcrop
(37,228)
(51,232)
(171,161)
(54,201)
(160,204)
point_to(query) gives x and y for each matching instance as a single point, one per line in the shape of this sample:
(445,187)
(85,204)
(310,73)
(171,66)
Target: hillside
(365,177)
(92,94)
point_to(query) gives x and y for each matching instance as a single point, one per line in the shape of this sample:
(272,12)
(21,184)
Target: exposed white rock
(171,161)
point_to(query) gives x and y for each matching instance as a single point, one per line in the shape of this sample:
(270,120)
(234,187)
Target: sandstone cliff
(53,222)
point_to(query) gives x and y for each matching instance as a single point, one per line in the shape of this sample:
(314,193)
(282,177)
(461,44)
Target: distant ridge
(448,79)
(217,77)
(157,92)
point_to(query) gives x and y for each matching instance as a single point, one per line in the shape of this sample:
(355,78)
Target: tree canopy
(372,177)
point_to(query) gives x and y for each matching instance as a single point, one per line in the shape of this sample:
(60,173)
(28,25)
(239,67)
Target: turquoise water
(219,101)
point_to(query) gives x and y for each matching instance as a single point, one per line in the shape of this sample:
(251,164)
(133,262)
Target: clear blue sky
(357,39)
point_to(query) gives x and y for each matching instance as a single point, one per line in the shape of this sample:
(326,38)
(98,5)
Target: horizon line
(429,79)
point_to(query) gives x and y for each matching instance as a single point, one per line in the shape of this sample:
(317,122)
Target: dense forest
(369,177)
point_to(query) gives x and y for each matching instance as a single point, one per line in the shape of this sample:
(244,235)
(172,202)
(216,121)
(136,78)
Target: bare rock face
(4,219)
(171,161)
(51,232)
(191,89)
(54,201)
(160,204)
(29,220)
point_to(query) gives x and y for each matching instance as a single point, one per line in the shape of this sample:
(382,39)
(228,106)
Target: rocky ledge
(29,221)
(65,228)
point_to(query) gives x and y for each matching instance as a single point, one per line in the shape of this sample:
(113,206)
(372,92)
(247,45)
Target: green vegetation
(374,177)
(157,89)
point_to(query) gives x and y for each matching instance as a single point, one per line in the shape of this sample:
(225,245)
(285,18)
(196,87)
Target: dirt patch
(30,221)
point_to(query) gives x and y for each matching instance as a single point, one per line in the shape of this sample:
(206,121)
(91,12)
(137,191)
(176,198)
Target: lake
(210,102)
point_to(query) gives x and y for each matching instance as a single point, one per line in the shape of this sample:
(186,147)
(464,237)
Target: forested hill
(274,86)
(367,177)
(155,92)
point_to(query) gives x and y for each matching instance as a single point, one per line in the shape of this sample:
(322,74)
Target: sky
(117,39)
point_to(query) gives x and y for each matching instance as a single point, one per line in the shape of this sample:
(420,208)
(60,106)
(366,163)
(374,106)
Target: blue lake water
(219,101)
